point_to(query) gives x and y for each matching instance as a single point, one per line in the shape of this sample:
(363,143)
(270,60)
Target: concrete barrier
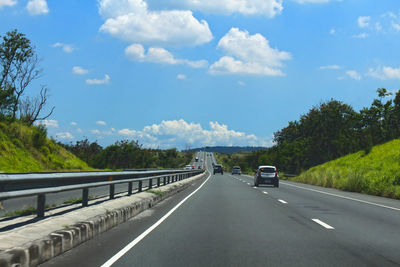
(60,241)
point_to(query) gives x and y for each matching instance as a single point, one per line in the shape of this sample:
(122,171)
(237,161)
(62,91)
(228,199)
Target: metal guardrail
(40,184)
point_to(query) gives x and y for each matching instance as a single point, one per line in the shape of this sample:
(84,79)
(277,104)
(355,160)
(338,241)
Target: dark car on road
(236,170)
(218,168)
(266,175)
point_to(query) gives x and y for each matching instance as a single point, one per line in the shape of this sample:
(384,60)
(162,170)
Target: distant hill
(228,149)
(27,149)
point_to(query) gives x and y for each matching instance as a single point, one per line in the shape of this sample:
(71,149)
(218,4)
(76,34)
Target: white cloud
(37,7)
(248,54)
(79,130)
(396,26)
(311,1)
(363,21)
(241,83)
(181,77)
(79,70)
(330,67)
(136,52)
(332,31)
(73,123)
(103,123)
(105,80)
(269,8)
(95,131)
(48,123)
(7,3)
(384,73)
(130,20)
(182,133)
(360,35)
(67,48)
(353,75)
(65,135)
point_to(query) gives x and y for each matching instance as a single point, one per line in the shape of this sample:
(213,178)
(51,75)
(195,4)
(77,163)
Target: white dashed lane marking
(282,201)
(265,192)
(327,226)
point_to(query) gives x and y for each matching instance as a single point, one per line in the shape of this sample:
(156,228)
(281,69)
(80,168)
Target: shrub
(39,136)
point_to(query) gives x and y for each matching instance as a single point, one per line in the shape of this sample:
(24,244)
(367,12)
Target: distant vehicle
(218,168)
(188,167)
(201,160)
(199,167)
(266,175)
(236,170)
(193,167)
(197,159)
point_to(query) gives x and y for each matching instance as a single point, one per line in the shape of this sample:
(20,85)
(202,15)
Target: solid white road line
(349,198)
(150,229)
(327,226)
(282,201)
(265,192)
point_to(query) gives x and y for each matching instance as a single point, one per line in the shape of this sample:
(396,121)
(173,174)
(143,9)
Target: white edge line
(282,201)
(149,230)
(327,226)
(349,198)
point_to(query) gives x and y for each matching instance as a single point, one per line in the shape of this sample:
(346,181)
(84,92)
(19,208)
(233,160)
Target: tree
(19,67)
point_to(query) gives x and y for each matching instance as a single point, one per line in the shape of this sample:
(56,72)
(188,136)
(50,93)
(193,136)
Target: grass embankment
(27,149)
(375,173)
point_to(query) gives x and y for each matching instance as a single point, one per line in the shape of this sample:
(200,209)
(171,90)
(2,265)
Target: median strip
(327,226)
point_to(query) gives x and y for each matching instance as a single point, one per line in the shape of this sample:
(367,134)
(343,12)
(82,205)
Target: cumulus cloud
(384,73)
(48,123)
(248,54)
(362,35)
(105,80)
(182,133)
(132,21)
(103,123)
(37,7)
(67,48)
(269,8)
(79,70)
(181,77)
(73,123)
(353,75)
(65,135)
(136,52)
(363,21)
(7,3)
(330,67)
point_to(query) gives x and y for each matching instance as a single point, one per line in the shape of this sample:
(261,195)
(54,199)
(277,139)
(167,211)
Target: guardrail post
(41,205)
(140,186)
(85,197)
(150,183)
(112,191)
(129,188)
(169,179)
(165,180)
(158,182)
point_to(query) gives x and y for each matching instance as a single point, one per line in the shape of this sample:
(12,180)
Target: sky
(188,73)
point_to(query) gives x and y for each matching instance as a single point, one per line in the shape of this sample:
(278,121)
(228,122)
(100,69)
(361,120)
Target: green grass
(22,151)
(156,192)
(375,173)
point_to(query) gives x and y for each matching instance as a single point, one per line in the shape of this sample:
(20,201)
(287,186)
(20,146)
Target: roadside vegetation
(374,173)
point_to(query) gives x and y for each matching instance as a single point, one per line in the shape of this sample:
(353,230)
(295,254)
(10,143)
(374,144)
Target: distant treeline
(127,155)
(227,149)
(328,131)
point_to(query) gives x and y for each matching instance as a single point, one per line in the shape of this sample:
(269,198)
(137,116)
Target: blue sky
(186,73)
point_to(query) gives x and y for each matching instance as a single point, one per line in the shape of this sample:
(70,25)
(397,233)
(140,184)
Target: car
(266,175)
(197,159)
(218,168)
(199,167)
(193,167)
(236,170)
(188,167)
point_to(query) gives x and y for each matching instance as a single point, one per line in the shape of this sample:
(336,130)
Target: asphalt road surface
(225,221)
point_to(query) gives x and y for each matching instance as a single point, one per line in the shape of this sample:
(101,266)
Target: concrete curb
(58,242)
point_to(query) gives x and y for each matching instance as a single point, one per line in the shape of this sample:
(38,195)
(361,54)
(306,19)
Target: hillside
(376,173)
(27,149)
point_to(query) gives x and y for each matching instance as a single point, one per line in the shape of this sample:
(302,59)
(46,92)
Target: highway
(223,220)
